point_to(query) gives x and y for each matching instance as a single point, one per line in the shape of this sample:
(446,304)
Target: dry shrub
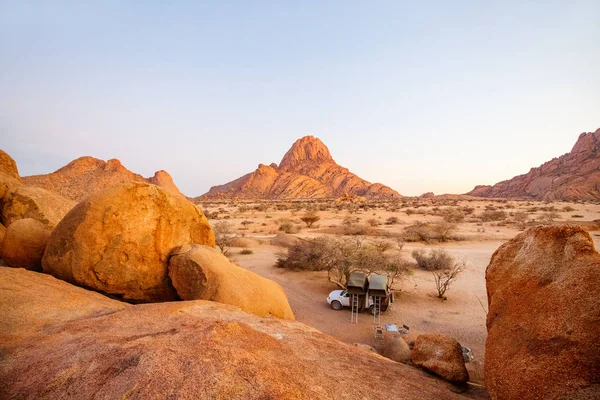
(357,230)
(288,226)
(392,221)
(492,215)
(453,215)
(426,232)
(373,222)
(437,259)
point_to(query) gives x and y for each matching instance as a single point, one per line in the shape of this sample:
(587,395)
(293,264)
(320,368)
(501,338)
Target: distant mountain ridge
(308,171)
(572,176)
(88,175)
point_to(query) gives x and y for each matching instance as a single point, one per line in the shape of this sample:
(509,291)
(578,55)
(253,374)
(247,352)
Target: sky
(421,96)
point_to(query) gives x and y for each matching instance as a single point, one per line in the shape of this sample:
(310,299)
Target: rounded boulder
(441,355)
(118,241)
(544,316)
(397,349)
(203,273)
(24,243)
(21,202)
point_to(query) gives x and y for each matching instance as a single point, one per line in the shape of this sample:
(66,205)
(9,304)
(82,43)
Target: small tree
(224,235)
(443,278)
(310,218)
(443,230)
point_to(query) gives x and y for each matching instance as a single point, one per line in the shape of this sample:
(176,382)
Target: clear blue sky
(421,96)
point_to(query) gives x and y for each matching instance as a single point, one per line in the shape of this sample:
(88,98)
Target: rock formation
(87,175)
(397,349)
(544,316)
(441,355)
(307,170)
(32,202)
(118,241)
(59,341)
(203,273)
(9,174)
(573,176)
(24,243)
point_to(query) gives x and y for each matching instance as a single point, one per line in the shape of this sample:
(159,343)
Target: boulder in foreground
(118,241)
(544,316)
(24,243)
(60,341)
(397,349)
(441,355)
(203,273)
(21,202)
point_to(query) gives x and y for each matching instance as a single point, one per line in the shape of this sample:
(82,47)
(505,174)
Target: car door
(345,299)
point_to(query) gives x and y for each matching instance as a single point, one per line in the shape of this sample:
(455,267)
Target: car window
(344,294)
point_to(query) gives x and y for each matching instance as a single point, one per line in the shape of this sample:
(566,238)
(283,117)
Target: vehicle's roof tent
(378,285)
(357,283)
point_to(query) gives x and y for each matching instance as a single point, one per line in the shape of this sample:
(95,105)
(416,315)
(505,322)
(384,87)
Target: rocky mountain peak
(308,148)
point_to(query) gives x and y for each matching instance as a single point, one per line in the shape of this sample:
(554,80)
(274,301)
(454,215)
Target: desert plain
(484,226)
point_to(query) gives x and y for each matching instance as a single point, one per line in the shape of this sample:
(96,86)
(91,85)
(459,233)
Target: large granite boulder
(397,349)
(21,202)
(24,243)
(203,273)
(441,355)
(544,316)
(118,241)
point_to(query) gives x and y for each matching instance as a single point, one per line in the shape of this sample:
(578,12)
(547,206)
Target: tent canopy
(357,283)
(378,285)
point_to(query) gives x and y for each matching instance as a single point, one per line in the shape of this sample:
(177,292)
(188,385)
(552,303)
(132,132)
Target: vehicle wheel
(336,305)
(372,310)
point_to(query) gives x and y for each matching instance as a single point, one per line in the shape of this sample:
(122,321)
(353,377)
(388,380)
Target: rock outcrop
(59,341)
(397,349)
(203,273)
(441,355)
(86,176)
(24,243)
(8,166)
(21,202)
(573,176)
(307,170)
(118,241)
(544,316)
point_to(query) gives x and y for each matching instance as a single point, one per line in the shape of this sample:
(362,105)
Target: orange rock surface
(544,316)
(307,170)
(60,341)
(87,175)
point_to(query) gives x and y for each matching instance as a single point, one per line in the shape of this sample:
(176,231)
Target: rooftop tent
(378,286)
(357,283)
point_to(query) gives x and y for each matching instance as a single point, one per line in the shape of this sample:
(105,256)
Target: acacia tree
(224,235)
(445,277)
(310,218)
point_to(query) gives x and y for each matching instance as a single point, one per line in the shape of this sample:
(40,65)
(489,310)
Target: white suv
(338,299)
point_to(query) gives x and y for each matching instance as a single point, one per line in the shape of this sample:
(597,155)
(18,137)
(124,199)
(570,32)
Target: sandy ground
(461,316)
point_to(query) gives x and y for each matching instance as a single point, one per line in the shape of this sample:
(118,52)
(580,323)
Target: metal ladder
(376,310)
(354,315)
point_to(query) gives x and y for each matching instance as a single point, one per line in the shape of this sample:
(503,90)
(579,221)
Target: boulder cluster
(133,241)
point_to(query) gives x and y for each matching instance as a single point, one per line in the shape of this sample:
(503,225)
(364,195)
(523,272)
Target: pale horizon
(421,98)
